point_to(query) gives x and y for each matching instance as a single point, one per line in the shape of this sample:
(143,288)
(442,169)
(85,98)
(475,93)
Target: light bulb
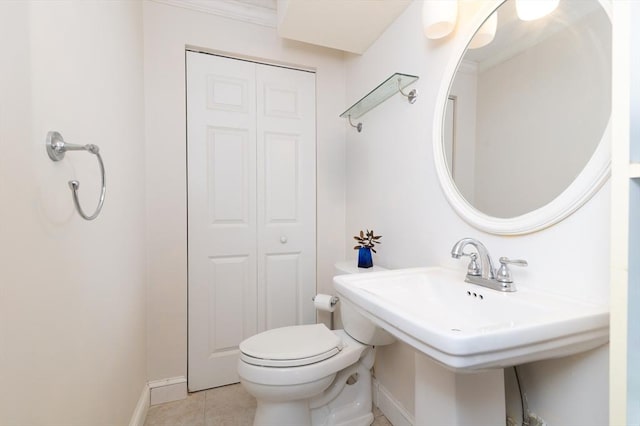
(529,10)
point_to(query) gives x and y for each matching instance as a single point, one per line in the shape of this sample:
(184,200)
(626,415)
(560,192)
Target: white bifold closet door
(251,207)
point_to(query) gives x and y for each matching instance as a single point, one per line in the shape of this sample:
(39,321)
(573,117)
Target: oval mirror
(521,131)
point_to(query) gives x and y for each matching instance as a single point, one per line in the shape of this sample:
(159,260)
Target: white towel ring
(56,148)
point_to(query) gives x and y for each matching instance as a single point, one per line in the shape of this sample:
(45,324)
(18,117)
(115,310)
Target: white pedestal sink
(463,328)
(444,397)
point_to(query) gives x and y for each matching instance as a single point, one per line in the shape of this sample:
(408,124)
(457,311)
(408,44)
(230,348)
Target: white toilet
(310,375)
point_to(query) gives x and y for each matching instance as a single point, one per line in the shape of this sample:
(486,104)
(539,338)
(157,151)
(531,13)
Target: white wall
(392,187)
(72,292)
(167,30)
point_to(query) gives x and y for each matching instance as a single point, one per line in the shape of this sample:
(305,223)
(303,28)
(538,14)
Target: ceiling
(348,25)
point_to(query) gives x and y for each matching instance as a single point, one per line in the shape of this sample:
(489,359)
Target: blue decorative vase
(364,258)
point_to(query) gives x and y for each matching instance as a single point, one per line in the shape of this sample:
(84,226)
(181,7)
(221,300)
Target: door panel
(221,215)
(251,207)
(281,178)
(282,290)
(227,285)
(228,176)
(286,197)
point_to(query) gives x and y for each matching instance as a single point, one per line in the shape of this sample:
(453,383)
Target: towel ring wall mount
(56,149)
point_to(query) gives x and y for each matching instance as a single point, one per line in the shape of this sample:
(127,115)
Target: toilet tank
(355,324)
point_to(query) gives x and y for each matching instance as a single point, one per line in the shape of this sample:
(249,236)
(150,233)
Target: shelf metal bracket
(411,96)
(357,126)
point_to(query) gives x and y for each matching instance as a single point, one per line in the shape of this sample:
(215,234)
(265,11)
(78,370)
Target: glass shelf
(384,91)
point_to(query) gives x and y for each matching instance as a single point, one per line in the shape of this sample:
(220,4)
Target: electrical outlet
(534,420)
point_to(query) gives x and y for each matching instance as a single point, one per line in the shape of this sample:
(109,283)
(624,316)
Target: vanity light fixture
(486,33)
(439,17)
(529,10)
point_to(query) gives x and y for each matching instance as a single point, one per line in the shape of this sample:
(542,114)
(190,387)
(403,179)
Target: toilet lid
(291,346)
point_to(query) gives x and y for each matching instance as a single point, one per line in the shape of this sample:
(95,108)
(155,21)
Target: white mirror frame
(586,184)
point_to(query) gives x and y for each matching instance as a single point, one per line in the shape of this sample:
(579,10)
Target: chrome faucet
(484,274)
(486,266)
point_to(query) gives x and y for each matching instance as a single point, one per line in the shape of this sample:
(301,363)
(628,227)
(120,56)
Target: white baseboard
(140,412)
(167,390)
(390,407)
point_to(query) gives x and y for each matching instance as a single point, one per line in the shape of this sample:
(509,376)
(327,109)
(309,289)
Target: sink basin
(467,327)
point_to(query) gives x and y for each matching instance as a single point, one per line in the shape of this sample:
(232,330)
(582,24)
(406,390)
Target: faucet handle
(473,268)
(504,274)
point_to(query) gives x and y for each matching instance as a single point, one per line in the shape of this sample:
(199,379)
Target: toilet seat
(287,376)
(293,346)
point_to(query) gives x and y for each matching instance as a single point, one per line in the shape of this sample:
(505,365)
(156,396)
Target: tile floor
(226,406)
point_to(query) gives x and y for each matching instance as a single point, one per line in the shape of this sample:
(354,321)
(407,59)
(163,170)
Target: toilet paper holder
(334,300)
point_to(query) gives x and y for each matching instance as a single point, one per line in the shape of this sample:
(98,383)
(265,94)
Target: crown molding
(231,9)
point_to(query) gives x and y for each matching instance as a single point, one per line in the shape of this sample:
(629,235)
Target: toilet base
(285,405)
(350,419)
(292,413)
(351,403)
